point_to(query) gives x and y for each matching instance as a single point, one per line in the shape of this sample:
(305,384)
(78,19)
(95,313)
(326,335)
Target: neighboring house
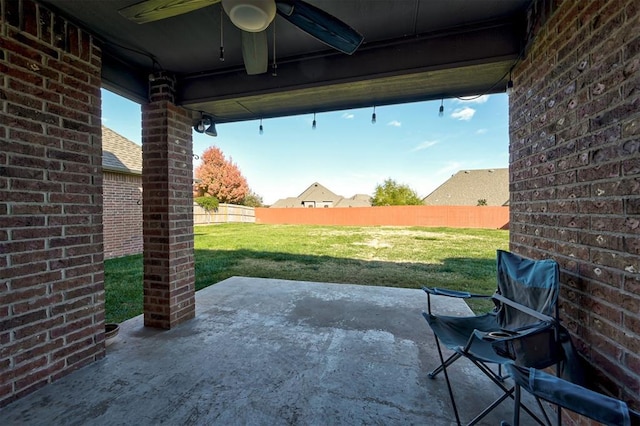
(122,192)
(317,196)
(472,188)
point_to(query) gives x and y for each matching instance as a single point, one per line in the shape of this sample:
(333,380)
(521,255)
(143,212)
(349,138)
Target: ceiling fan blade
(255,52)
(321,25)
(155,10)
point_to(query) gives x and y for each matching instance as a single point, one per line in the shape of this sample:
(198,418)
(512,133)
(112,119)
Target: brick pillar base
(169,280)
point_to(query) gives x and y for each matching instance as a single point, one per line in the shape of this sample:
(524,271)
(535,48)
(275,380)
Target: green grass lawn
(462,259)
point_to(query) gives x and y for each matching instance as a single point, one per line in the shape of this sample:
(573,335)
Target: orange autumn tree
(220,178)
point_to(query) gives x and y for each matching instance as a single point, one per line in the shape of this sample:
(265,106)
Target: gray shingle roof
(319,194)
(466,187)
(119,154)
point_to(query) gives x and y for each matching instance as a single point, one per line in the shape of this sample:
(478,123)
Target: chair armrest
(449,293)
(586,402)
(535,346)
(452,293)
(492,336)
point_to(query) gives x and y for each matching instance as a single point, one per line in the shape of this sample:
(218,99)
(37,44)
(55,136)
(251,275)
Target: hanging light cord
(221,35)
(274,67)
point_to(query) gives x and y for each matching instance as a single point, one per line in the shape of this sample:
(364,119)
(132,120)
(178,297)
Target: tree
(391,193)
(220,178)
(252,200)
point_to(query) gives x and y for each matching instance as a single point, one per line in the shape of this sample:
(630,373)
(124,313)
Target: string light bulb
(441,110)
(261,129)
(313,125)
(373,116)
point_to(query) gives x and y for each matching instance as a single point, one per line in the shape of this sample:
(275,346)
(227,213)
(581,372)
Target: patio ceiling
(413,50)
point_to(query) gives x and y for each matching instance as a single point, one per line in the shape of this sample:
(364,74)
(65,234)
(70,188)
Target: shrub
(208,203)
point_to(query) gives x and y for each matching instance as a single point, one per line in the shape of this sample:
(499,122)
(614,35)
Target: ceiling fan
(253,17)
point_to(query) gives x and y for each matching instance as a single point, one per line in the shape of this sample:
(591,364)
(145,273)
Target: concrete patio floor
(272,352)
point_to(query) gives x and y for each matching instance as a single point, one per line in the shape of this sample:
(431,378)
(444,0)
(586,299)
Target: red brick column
(51,268)
(169,280)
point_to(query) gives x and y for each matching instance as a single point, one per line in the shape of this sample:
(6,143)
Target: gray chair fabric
(602,408)
(523,328)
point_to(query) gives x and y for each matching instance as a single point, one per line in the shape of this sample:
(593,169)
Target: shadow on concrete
(216,265)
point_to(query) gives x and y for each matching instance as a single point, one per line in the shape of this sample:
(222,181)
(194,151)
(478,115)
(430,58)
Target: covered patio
(272,352)
(573,70)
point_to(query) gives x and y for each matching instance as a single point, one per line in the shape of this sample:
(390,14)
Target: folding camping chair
(522,328)
(602,408)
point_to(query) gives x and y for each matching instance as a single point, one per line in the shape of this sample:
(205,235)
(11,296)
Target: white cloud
(465,113)
(474,99)
(481,131)
(347,116)
(394,123)
(424,145)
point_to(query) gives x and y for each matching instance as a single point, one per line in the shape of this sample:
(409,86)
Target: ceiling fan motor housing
(250,15)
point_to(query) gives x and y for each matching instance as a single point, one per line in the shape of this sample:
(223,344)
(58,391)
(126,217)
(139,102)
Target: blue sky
(348,154)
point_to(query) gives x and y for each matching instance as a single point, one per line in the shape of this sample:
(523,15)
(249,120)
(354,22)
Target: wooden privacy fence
(225,213)
(488,217)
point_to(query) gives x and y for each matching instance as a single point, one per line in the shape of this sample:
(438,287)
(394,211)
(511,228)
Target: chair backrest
(532,283)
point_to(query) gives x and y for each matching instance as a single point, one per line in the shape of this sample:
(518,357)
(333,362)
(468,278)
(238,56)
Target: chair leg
(508,393)
(443,368)
(516,408)
(496,378)
(447,363)
(544,412)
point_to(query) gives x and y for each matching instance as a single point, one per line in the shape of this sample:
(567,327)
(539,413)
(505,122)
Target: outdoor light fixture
(373,116)
(261,128)
(211,130)
(509,85)
(313,125)
(441,111)
(250,15)
(206,125)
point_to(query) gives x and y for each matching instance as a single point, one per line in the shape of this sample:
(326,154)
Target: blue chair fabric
(602,408)
(523,328)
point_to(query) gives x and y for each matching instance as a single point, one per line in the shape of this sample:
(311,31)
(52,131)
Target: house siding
(51,242)
(122,214)
(575,176)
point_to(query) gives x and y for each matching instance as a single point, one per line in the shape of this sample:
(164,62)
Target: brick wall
(575,175)
(122,214)
(51,270)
